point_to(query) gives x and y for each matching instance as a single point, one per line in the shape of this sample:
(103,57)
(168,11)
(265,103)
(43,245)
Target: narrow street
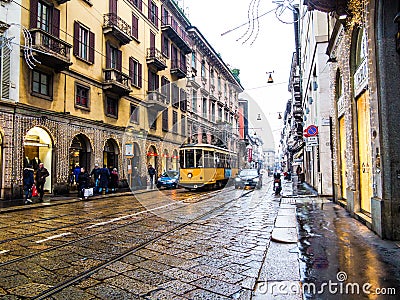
(119,248)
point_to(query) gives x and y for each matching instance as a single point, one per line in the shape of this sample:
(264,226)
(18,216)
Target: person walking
(83,182)
(151,172)
(137,183)
(28,181)
(77,170)
(104,179)
(96,177)
(41,175)
(114,178)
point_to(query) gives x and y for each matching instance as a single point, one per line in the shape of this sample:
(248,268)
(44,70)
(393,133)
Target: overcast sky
(270,49)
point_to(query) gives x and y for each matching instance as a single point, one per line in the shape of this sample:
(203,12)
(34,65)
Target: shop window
(112,107)
(41,84)
(82,96)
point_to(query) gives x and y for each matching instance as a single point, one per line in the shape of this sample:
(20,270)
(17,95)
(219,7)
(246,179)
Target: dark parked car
(168,180)
(248,177)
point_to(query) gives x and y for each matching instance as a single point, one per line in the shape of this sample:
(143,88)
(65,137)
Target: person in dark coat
(114,178)
(151,172)
(40,178)
(104,179)
(28,183)
(137,182)
(95,174)
(83,182)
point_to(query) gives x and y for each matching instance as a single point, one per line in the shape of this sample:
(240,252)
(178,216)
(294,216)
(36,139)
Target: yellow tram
(204,165)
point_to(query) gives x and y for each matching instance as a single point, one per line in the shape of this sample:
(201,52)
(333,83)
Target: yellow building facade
(100,83)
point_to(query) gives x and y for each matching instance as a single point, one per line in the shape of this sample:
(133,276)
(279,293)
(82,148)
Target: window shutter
(157,82)
(150,86)
(135,26)
(149,8)
(139,75)
(140,5)
(55,26)
(119,60)
(91,47)
(34,13)
(5,74)
(113,6)
(108,55)
(162,43)
(76,38)
(152,40)
(156,21)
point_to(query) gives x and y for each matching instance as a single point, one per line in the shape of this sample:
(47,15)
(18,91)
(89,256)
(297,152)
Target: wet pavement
(226,244)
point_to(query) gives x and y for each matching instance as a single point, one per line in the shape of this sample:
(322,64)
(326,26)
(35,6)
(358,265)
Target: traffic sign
(312,130)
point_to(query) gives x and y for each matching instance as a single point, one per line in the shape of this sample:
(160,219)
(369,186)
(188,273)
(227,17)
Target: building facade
(105,83)
(363,64)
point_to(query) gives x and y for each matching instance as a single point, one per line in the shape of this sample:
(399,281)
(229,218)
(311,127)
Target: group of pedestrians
(104,180)
(32,180)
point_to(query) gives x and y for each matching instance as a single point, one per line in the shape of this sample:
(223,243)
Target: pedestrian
(41,175)
(114,178)
(95,174)
(104,179)
(77,170)
(151,172)
(83,182)
(298,170)
(136,178)
(28,181)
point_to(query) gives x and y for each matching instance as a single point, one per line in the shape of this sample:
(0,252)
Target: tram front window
(199,158)
(189,159)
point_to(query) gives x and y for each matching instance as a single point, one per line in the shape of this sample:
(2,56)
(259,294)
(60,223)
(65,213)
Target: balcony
(116,82)
(156,101)
(51,51)
(118,28)
(178,68)
(155,59)
(176,34)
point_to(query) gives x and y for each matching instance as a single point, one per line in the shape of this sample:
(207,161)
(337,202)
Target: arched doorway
(133,161)
(110,154)
(152,157)
(165,165)
(174,160)
(38,148)
(80,152)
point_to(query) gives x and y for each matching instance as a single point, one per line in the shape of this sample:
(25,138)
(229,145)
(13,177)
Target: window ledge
(82,107)
(45,97)
(112,116)
(84,60)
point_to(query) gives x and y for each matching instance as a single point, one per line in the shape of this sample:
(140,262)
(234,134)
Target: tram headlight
(256,179)
(189,175)
(237,179)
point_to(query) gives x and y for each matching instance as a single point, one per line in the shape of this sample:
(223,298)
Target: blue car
(169,179)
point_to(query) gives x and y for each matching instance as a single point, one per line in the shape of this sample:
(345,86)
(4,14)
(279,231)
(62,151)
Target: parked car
(168,179)
(248,177)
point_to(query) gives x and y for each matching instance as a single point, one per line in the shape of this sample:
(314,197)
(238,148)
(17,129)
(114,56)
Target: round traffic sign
(312,130)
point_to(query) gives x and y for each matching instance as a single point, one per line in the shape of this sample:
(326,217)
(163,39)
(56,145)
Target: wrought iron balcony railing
(118,27)
(116,81)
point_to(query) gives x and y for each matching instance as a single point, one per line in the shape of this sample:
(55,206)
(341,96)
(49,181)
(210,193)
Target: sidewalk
(317,247)
(51,200)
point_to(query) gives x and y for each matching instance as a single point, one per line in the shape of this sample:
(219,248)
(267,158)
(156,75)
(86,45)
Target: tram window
(208,159)
(199,158)
(217,160)
(182,158)
(189,159)
(228,161)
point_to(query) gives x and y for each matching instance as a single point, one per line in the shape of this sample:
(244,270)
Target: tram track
(59,287)
(191,195)
(132,216)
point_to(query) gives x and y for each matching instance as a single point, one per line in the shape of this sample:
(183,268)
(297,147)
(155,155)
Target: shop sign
(340,106)
(361,78)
